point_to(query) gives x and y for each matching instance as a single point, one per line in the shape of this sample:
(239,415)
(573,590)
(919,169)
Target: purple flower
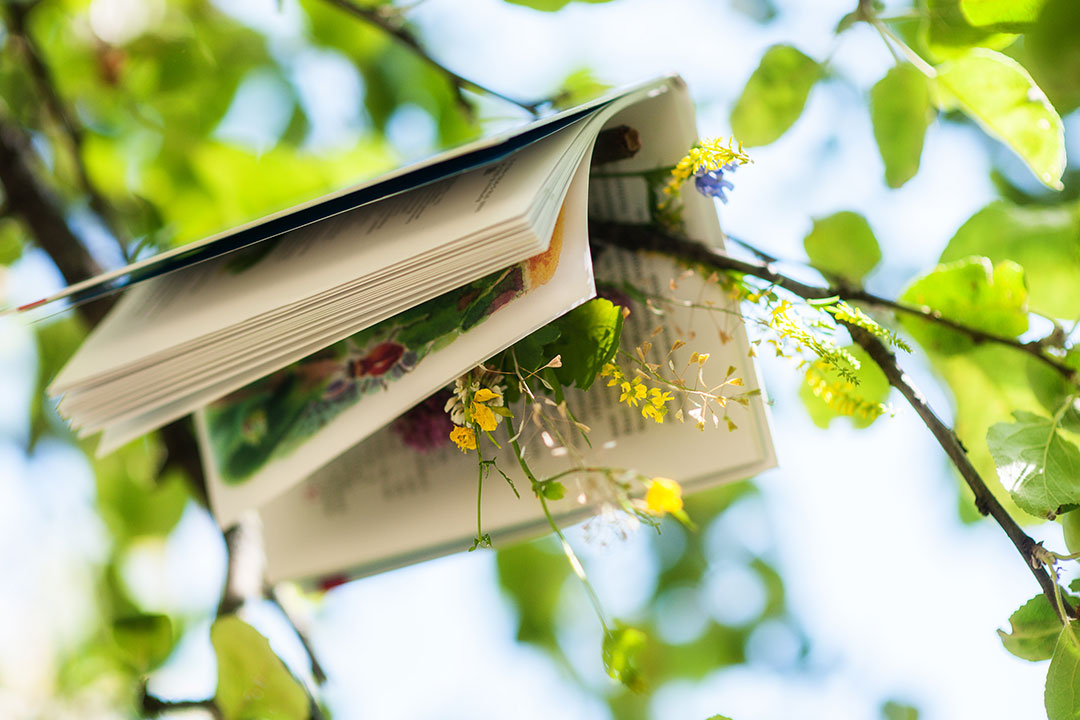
(711,183)
(426,426)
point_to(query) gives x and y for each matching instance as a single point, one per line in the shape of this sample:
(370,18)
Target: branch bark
(641,237)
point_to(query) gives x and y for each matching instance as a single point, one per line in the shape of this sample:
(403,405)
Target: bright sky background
(898,599)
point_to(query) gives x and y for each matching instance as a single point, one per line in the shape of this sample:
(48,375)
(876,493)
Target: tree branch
(644,237)
(46,86)
(300,627)
(153,706)
(390,21)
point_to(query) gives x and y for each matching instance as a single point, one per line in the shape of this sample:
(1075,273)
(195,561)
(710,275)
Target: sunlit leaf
(144,641)
(843,246)
(1052,53)
(622,646)
(252,681)
(987,297)
(1034,630)
(947,33)
(774,95)
(893,710)
(998,93)
(900,110)
(549,5)
(1002,15)
(1062,694)
(1044,240)
(1040,468)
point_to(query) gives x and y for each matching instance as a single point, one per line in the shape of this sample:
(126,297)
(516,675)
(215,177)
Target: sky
(897,598)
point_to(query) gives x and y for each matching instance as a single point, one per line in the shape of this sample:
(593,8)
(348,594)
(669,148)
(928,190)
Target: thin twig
(644,237)
(46,86)
(390,22)
(153,706)
(300,627)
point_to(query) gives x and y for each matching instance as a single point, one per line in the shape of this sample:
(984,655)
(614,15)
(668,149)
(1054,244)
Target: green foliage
(946,32)
(533,575)
(622,646)
(893,710)
(144,641)
(900,110)
(1052,53)
(998,93)
(872,390)
(1070,530)
(1003,15)
(11,241)
(1044,240)
(1036,463)
(252,681)
(843,246)
(1062,690)
(549,5)
(56,343)
(1034,630)
(774,95)
(588,339)
(974,292)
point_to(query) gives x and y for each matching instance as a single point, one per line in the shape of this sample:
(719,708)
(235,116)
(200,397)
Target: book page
(170,312)
(384,503)
(266,437)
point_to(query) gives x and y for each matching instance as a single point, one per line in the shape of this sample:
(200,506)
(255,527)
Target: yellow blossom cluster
(706,155)
(635,392)
(840,395)
(485,412)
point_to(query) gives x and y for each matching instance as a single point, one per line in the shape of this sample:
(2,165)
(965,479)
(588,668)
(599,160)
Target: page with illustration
(268,436)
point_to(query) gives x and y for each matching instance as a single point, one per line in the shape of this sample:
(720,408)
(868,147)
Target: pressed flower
(464,438)
(663,496)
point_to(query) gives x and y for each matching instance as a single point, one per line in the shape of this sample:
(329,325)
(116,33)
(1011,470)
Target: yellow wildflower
(483,416)
(663,496)
(484,394)
(464,437)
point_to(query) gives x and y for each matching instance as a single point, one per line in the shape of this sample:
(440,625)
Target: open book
(297,339)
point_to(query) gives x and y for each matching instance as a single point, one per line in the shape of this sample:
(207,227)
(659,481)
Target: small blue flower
(711,183)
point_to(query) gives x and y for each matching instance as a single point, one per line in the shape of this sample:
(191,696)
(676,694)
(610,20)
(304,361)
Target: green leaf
(622,646)
(1040,468)
(998,93)
(144,641)
(11,241)
(1062,694)
(947,33)
(1035,628)
(532,575)
(549,5)
(588,338)
(842,245)
(1002,15)
(578,87)
(774,95)
(1052,53)
(992,298)
(56,343)
(1044,240)
(900,110)
(252,681)
(893,710)
(873,388)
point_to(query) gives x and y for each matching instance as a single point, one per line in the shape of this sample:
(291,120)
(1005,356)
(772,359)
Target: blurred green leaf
(991,298)
(843,246)
(549,5)
(588,338)
(998,93)
(533,575)
(1040,468)
(893,710)
(900,110)
(11,240)
(56,343)
(579,87)
(1052,53)
(1044,240)
(1002,15)
(622,646)
(774,95)
(144,641)
(252,681)
(947,34)
(132,499)
(873,388)
(1034,630)
(1062,695)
